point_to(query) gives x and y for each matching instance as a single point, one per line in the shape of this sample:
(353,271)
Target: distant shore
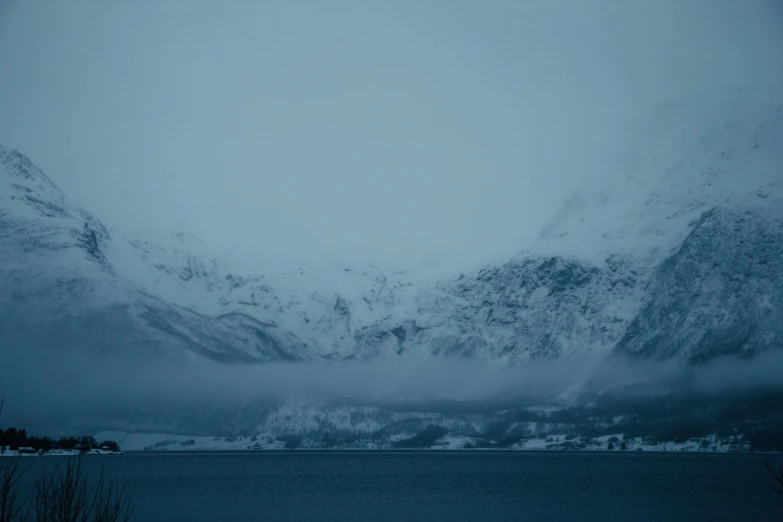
(59,453)
(133,442)
(435,450)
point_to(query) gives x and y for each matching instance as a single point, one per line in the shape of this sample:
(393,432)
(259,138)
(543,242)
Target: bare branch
(62,495)
(66,496)
(777,476)
(10,474)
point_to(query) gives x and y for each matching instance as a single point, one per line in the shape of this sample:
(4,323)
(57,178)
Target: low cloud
(66,385)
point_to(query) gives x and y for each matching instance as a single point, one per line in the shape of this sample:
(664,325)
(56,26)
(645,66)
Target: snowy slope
(670,250)
(648,202)
(701,227)
(65,283)
(721,292)
(675,251)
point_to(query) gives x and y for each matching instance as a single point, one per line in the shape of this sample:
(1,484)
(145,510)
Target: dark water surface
(441,486)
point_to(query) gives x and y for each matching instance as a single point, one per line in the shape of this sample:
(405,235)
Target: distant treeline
(14,439)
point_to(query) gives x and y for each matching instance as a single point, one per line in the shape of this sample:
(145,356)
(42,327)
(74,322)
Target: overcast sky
(348,129)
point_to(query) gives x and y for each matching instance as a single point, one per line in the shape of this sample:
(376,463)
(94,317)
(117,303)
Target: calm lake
(441,486)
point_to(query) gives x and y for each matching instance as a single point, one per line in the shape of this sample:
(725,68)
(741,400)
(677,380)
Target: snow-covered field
(59,453)
(558,443)
(166,442)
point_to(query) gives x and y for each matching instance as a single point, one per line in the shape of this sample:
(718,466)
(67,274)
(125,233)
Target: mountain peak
(690,158)
(23,175)
(678,243)
(30,194)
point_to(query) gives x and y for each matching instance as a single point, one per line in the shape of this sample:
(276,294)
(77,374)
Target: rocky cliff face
(720,292)
(674,254)
(677,254)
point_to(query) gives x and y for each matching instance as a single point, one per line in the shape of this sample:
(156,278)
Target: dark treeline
(14,439)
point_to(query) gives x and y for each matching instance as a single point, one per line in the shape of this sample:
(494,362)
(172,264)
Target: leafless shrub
(10,472)
(65,495)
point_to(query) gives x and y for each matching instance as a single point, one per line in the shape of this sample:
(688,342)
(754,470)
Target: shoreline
(441,451)
(64,453)
(282,451)
(137,442)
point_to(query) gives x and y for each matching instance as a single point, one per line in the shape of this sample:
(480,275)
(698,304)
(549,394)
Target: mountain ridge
(609,274)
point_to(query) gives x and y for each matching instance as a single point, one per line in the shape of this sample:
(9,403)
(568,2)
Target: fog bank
(68,383)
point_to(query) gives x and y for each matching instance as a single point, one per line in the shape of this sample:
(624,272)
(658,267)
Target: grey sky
(348,129)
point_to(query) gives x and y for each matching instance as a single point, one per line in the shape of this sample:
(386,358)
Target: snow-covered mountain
(677,252)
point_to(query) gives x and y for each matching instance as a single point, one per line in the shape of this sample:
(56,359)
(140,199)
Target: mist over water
(69,384)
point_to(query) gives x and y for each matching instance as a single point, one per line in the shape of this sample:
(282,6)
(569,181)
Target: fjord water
(462,486)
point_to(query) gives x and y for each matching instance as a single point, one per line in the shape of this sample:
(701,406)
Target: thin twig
(10,474)
(67,497)
(62,495)
(777,476)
